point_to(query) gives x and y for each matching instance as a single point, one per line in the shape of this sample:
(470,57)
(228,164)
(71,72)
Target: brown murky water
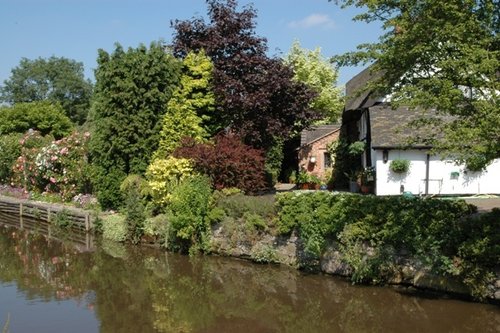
(67,286)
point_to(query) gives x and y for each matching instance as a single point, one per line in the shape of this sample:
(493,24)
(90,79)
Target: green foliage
(303,177)
(313,179)
(61,219)
(10,150)
(133,189)
(243,219)
(317,72)
(135,183)
(164,175)
(114,227)
(370,230)
(356,148)
(189,111)
(108,190)
(132,90)
(347,164)
(254,221)
(187,210)
(441,55)
(399,166)
(55,80)
(44,117)
(238,205)
(479,251)
(157,226)
(264,255)
(274,158)
(291,176)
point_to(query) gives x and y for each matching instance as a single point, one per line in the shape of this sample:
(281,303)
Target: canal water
(49,285)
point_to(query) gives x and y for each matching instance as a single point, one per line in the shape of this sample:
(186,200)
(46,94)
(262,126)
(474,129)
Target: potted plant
(328,178)
(314,182)
(399,166)
(303,180)
(353,177)
(367,180)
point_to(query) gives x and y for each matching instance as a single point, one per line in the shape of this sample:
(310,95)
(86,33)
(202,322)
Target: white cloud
(313,20)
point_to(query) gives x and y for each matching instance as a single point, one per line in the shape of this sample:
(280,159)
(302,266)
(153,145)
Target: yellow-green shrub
(164,174)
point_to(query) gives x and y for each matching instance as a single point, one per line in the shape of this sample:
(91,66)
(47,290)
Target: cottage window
(327,161)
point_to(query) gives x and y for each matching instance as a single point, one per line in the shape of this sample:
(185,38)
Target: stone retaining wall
(263,247)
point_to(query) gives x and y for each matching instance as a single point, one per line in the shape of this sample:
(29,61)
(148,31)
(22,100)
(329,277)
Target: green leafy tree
(45,117)
(54,79)
(317,72)
(443,55)
(132,90)
(189,111)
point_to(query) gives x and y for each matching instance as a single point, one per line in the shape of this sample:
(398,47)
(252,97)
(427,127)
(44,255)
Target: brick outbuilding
(312,154)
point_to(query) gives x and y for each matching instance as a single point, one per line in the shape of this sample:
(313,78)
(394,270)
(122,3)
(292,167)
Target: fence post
(49,215)
(21,215)
(87,224)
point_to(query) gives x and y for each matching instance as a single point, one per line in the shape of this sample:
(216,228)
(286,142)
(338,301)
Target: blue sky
(76,29)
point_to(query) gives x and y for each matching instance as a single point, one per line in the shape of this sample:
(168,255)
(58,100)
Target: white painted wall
(440,177)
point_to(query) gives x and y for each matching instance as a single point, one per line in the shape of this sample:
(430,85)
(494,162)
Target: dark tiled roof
(356,100)
(317,132)
(389,126)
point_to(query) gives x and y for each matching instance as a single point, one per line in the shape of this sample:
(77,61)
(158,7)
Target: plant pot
(304,186)
(365,189)
(314,186)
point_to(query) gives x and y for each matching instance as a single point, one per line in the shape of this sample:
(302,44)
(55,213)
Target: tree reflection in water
(133,289)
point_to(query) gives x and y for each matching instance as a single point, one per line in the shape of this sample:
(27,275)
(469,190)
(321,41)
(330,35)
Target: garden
(178,140)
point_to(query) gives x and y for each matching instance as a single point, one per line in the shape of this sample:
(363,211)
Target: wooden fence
(78,218)
(40,217)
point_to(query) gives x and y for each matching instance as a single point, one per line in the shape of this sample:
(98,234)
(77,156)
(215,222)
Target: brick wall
(317,149)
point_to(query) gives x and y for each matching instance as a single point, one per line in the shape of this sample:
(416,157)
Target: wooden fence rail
(78,218)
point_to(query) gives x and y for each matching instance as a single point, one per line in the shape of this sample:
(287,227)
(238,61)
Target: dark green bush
(133,189)
(479,250)
(187,211)
(131,93)
(10,150)
(274,159)
(106,184)
(440,233)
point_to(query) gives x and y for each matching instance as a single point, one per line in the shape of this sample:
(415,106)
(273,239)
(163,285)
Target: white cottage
(385,133)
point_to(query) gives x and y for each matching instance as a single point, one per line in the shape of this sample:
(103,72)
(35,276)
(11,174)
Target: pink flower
(53,158)
(64,151)
(53,180)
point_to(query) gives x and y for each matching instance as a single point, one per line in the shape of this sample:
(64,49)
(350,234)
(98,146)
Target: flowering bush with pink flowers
(59,166)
